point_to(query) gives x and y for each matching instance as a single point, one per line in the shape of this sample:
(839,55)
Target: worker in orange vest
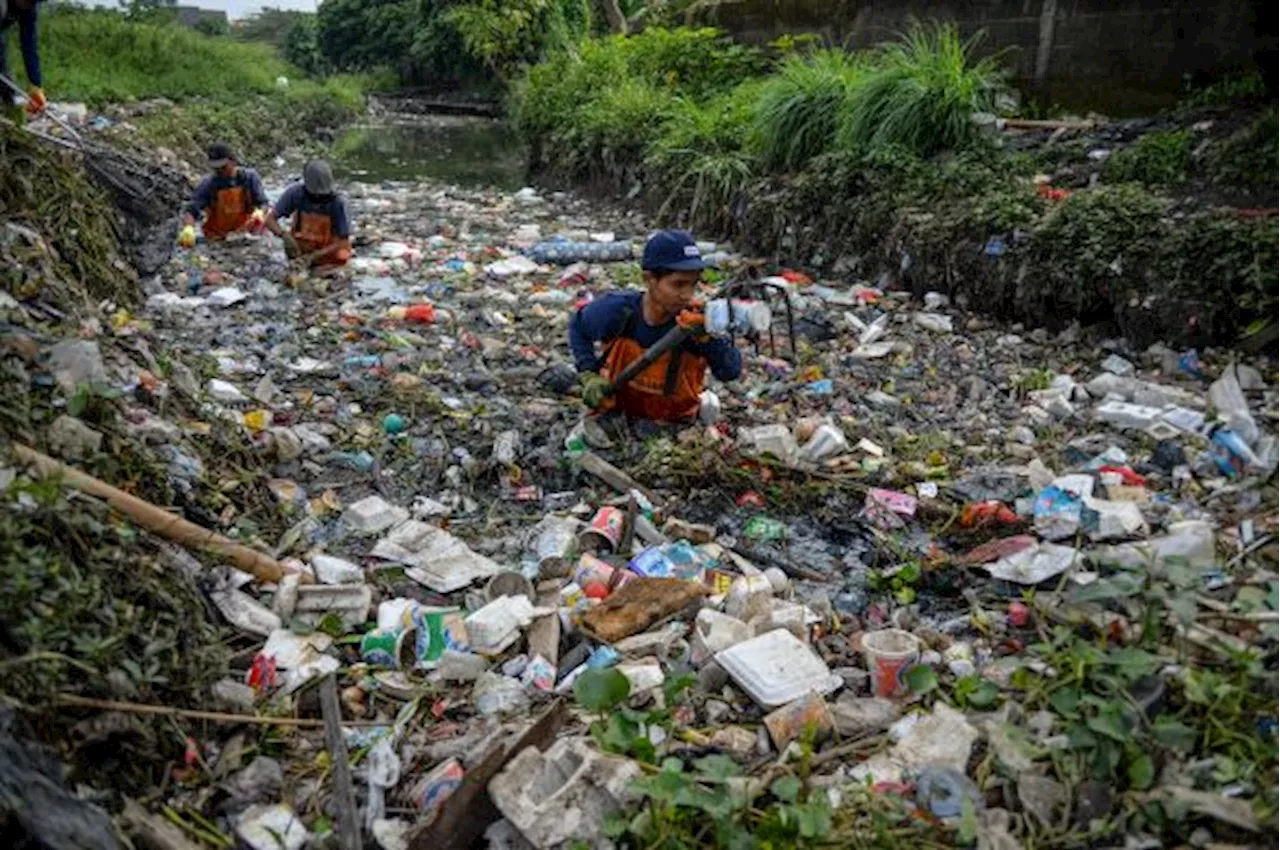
(627,323)
(320,235)
(231,199)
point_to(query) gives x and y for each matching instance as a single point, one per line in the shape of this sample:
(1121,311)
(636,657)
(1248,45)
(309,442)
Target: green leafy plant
(900,580)
(709,806)
(1156,158)
(922,93)
(797,115)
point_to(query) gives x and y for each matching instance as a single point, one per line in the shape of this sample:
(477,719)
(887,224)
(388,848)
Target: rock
(72,439)
(77,361)
(859,716)
(716,712)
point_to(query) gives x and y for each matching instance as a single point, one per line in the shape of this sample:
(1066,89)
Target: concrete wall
(1109,54)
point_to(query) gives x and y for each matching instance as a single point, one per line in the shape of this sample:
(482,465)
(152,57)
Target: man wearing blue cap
(627,323)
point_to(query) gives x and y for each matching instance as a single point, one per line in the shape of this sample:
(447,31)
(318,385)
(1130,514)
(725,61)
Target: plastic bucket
(889,653)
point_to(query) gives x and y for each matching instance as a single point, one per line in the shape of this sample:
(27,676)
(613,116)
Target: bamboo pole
(157,520)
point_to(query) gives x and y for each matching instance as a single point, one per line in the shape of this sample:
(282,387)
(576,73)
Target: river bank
(873,167)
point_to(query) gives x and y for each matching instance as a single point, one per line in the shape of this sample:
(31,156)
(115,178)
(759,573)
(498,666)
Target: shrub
(1248,158)
(1156,158)
(698,163)
(922,93)
(797,114)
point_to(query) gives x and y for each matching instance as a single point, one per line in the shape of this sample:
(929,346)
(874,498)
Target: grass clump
(99,56)
(1248,158)
(797,115)
(1156,158)
(922,94)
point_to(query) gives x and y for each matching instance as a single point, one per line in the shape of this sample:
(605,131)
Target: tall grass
(921,93)
(99,56)
(798,114)
(700,159)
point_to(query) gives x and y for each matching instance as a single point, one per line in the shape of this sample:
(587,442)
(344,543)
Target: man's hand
(36,101)
(594,389)
(291,247)
(187,236)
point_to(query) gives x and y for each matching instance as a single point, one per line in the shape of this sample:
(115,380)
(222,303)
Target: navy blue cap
(672,251)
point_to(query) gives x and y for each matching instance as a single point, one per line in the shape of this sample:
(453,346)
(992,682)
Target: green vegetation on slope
(224,87)
(100,56)
(876,160)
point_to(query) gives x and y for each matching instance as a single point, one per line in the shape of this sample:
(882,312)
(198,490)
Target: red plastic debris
(1019,614)
(1127,475)
(1053,194)
(994,550)
(262,675)
(420,314)
(983,514)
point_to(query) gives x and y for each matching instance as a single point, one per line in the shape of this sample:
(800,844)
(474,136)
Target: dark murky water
(462,150)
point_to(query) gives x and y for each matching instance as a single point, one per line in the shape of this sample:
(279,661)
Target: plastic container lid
(776,668)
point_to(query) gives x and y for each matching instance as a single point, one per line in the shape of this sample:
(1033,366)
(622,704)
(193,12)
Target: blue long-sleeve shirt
(246,177)
(26,19)
(606,317)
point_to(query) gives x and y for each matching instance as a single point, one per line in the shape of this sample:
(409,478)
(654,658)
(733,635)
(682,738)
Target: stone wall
(1120,55)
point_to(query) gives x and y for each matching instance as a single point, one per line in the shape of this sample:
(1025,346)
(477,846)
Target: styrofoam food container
(776,668)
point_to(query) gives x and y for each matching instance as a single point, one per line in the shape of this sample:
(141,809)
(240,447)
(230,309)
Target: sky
(234,8)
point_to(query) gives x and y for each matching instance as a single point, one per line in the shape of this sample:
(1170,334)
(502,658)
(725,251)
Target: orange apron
(313,231)
(229,212)
(668,390)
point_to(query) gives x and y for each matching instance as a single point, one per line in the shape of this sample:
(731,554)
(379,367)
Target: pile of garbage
(915,575)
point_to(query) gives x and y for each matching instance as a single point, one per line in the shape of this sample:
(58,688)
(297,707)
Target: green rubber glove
(594,389)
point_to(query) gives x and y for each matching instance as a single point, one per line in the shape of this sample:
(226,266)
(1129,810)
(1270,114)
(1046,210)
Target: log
(1027,123)
(157,520)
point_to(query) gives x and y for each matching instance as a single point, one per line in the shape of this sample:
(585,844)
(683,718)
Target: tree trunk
(613,14)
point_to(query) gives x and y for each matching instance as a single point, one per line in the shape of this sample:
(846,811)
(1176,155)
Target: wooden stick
(157,520)
(343,793)
(611,475)
(76,701)
(1035,124)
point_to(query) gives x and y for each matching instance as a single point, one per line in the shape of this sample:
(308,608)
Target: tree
(274,26)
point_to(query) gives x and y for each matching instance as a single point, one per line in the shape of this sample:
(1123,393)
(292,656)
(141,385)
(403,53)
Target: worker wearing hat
(230,199)
(321,231)
(625,324)
(23,14)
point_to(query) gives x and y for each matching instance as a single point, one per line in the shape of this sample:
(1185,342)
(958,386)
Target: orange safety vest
(313,229)
(668,390)
(230,209)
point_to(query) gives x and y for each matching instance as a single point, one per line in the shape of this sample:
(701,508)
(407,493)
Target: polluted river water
(467,151)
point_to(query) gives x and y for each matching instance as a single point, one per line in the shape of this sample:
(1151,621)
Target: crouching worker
(229,200)
(320,235)
(625,324)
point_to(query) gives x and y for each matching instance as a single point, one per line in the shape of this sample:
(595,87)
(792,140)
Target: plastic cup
(889,652)
(605,530)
